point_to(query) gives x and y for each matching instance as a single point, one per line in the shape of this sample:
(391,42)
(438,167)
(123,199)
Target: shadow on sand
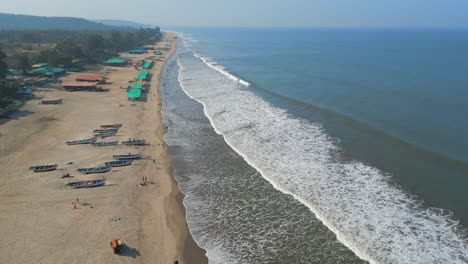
(129,251)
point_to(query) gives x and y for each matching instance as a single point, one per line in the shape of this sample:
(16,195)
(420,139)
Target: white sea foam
(368,214)
(221,70)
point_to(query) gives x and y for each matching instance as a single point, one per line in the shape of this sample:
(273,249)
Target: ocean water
(321,146)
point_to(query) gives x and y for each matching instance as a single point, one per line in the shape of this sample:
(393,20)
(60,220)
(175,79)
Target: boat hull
(93,171)
(86,184)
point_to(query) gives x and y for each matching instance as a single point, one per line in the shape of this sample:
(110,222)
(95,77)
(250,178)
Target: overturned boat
(42,168)
(105,130)
(134,142)
(128,156)
(94,170)
(105,143)
(82,141)
(108,134)
(118,163)
(55,101)
(86,184)
(112,126)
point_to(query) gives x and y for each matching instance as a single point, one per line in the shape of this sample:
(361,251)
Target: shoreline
(188,250)
(44,221)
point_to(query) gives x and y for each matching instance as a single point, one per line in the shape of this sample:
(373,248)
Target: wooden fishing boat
(108,134)
(86,184)
(112,126)
(42,168)
(56,101)
(134,142)
(105,130)
(128,156)
(82,141)
(105,143)
(118,163)
(94,170)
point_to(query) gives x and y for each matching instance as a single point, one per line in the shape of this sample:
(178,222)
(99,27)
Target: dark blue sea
(323,145)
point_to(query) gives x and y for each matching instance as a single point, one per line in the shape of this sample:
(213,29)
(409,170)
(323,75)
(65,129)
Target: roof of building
(147,65)
(115,61)
(137,51)
(134,93)
(40,65)
(48,71)
(78,84)
(143,75)
(137,86)
(94,78)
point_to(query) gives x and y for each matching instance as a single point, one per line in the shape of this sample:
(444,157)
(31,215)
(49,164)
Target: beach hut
(158,52)
(147,65)
(79,86)
(143,75)
(48,71)
(89,78)
(115,62)
(40,65)
(148,47)
(137,51)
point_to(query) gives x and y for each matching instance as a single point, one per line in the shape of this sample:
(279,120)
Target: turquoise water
(363,128)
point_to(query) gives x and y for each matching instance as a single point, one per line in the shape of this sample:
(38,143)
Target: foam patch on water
(367,212)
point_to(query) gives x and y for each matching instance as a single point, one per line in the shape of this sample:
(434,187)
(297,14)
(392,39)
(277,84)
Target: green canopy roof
(147,65)
(48,71)
(115,61)
(143,75)
(138,86)
(134,94)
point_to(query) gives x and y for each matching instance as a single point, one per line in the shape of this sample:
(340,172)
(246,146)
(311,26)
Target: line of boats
(130,142)
(121,160)
(102,132)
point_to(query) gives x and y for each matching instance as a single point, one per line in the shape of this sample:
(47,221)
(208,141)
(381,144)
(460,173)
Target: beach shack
(89,78)
(39,65)
(79,86)
(134,93)
(137,51)
(47,71)
(25,92)
(143,75)
(147,65)
(148,47)
(115,62)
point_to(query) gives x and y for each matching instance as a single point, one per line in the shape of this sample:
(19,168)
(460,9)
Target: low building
(137,51)
(116,62)
(143,75)
(148,47)
(47,71)
(147,65)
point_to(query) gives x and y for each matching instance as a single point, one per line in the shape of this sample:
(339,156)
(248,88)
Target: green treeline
(91,46)
(61,48)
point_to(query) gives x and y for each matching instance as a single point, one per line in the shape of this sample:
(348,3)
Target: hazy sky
(257,13)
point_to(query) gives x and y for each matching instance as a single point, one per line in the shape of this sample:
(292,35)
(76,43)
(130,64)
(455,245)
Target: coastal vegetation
(28,22)
(59,48)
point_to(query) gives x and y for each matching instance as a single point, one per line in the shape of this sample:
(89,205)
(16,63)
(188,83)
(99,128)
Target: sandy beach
(41,219)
